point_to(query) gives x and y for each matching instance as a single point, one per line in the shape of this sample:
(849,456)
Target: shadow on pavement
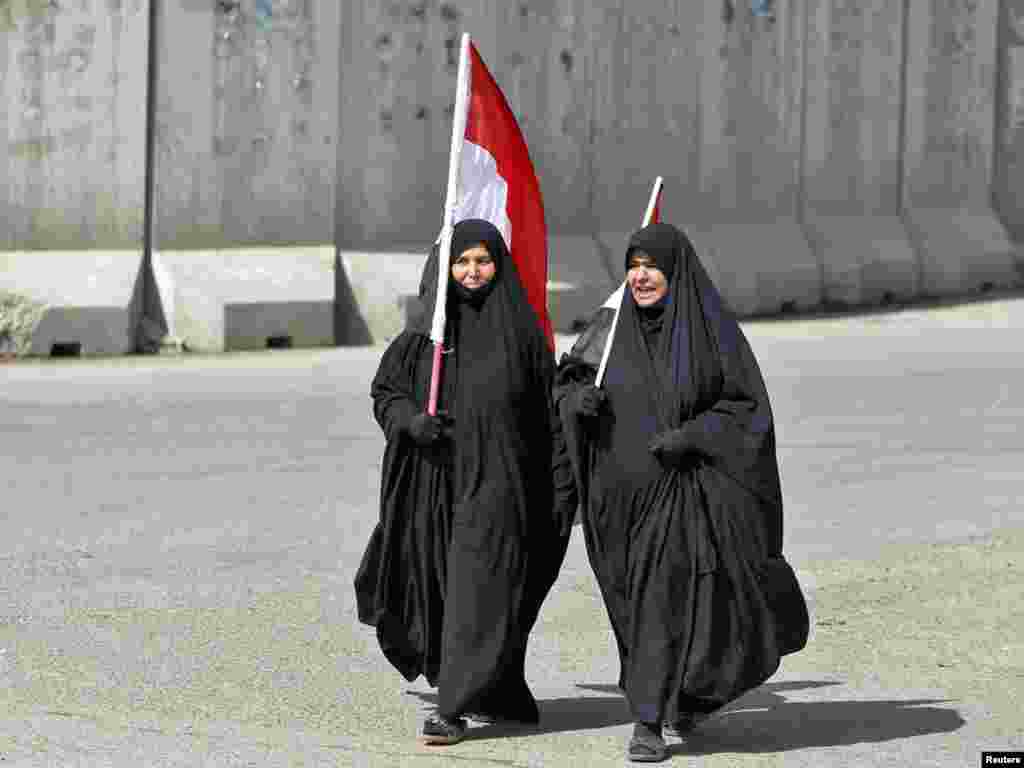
(760,721)
(575,713)
(763,721)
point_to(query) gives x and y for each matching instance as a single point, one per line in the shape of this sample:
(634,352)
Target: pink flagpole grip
(435,380)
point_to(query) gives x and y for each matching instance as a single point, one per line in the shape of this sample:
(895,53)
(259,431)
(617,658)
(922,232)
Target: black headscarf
(510,302)
(657,241)
(652,317)
(467,234)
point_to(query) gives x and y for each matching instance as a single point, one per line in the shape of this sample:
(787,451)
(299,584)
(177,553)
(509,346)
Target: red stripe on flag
(491,125)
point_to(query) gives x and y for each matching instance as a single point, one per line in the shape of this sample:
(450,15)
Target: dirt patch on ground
(948,618)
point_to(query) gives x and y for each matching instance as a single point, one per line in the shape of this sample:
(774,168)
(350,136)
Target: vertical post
(148,292)
(450,203)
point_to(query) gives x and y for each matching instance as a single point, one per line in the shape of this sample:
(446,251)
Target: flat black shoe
(685,724)
(480,717)
(646,746)
(440,730)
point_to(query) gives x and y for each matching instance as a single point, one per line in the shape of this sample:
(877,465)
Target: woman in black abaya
(477,502)
(678,480)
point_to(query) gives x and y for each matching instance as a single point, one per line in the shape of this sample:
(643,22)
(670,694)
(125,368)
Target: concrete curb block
(384,287)
(866,260)
(88,302)
(248,298)
(760,267)
(963,250)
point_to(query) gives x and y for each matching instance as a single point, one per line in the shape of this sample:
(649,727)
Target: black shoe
(646,745)
(685,724)
(483,719)
(443,730)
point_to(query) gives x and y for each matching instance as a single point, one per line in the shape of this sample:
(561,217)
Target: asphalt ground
(178,538)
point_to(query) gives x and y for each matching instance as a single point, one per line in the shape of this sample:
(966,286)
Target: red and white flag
(491,177)
(655,215)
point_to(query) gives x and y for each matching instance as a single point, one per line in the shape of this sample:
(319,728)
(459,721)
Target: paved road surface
(178,538)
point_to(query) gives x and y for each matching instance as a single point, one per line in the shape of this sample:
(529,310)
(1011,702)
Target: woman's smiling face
(473,268)
(646,282)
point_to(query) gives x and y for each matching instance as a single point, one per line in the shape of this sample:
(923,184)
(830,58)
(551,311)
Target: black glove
(673,449)
(587,401)
(426,430)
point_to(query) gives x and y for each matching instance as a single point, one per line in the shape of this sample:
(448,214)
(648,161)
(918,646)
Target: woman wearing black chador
(476,502)
(679,485)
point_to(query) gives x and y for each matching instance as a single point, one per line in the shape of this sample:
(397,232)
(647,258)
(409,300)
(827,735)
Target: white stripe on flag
(483,193)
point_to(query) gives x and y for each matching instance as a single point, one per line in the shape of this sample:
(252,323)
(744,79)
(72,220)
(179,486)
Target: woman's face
(473,268)
(646,281)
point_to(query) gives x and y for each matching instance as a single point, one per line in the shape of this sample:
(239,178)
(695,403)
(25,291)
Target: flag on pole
(614,302)
(491,177)
(655,215)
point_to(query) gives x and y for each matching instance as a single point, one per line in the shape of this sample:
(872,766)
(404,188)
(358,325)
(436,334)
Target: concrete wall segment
(73,134)
(950,108)
(246,123)
(1008,194)
(87,299)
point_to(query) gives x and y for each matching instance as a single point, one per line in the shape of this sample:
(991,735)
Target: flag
(490,177)
(656,211)
(496,180)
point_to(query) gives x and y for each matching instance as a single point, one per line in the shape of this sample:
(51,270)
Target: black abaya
(472,530)
(688,557)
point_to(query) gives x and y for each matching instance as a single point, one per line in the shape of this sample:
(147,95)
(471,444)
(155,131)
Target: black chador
(474,527)
(680,494)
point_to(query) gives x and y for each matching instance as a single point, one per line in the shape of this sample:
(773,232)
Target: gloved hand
(426,430)
(673,449)
(587,401)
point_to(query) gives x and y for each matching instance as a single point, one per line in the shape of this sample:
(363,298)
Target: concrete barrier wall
(950,105)
(746,220)
(246,122)
(852,149)
(836,152)
(1008,192)
(72,160)
(72,124)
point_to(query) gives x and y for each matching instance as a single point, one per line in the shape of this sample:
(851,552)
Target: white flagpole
(450,204)
(655,192)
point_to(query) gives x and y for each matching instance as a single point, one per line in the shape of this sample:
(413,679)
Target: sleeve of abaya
(579,366)
(738,429)
(393,403)
(566,493)
(735,415)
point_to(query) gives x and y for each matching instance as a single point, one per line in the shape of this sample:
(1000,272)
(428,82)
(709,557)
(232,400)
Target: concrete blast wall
(247,108)
(245,171)
(834,152)
(839,151)
(72,146)
(1009,129)
(72,124)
